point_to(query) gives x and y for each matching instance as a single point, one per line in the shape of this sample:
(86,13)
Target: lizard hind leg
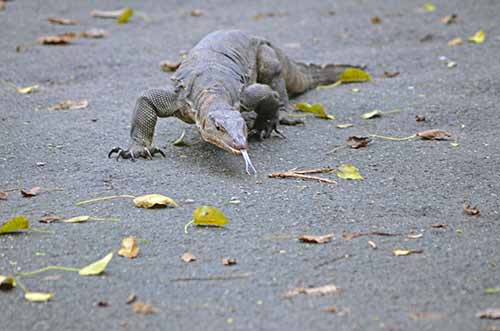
(150,105)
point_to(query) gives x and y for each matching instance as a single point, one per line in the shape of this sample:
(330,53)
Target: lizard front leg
(150,105)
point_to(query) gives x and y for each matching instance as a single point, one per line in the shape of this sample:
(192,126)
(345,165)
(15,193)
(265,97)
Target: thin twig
(338,258)
(209,278)
(301,175)
(105,198)
(393,138)
(314,171)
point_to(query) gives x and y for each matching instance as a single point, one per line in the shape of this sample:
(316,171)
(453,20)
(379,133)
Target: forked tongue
(248,163)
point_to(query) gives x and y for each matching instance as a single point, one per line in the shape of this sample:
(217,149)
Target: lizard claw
(135,151)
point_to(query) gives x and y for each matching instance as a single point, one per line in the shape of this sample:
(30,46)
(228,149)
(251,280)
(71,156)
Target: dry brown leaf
(70,104)
(435,135)
(188,257)
(450,19)
(471,210)
(3,195)
(129,247)
(169,66)
(356,142)
(376,20)
(60,39)
(94,33)
(260,16)
(338,311)
(316,239)
(455,42)
(62,21)
(131,299)
(49,218)
(196,12)
(321,290)
(391,74)
(140,307)
(490,313)
(439,225)
(229,261)
(372,244)
(31,192)
(419,118)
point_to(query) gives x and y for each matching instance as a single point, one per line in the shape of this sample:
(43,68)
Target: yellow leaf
(27,89)
(478,37)
(154,200)
(97,267)
(348,171)
(38,296)
(353,75)
(429,6)
(15,224)
(316,109)
(125,15)
(77,219)
(372,114)
(7,282)
(404,252)
(208,215)
(129,247)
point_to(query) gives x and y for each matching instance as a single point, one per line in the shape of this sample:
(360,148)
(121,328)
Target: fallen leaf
(61,39)
(427,37)
(492,290)
(490,313)
(154,201)
(450,19)
(455,42)
(62,21)
(345,126)
(47,219)
(376,20)
(125,15)
(372,244)
(372,114)
(3,195)
(94,33)
(404,252)
(321,290)
(316,239)
(97,267)
(356,142)
(31,192)
(419,118)
(27,89)
(77,219)
(429,6)
(348,171)
(270,14)
(7,282)
(179,142)
(316,109)
(451,64)
(15,224)
(38,296)
(129,247)
(338,311)
(435,135)
(107,13)
(131,299)
(169,66)
(415,236)
(430,316)
(208,215)
(140,307)
(391,74)
(354,75)
(102,303)
(478,37)
(471,210)
(229,261)
(70,104)
(196,12)
(188,257)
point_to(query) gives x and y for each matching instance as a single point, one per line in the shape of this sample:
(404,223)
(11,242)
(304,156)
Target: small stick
(313,171)
(301,175)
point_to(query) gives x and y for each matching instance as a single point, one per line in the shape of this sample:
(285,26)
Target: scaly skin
(226,73)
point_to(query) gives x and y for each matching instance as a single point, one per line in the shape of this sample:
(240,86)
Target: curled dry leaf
(455,42)
(7,283)
(140,307)
(376,20)
(62,21)
(94,33)
(420,118)
(321,290)
(129,247)
(188,257)
(435,135)
(3,195)
(450,19)
(471,210)
(391,74)
(154,201)
(38,296)
(169,66)
(49,218)
(372,114)
(15,224)
(131,299)
(357,142)
(70,104)
(316,239)
(229,261)
(196,12)
(372,244)
(415,236)
(439,225)
(31,192)
(404,252)
(61,39)
(490,313)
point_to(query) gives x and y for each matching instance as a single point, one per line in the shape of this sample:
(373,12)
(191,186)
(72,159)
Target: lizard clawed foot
(288,121)
(136,151)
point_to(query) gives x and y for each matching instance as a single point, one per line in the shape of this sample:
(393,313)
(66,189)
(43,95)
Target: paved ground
(408,185)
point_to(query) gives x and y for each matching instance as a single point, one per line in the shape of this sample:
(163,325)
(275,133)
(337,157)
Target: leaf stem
(187,225)
(50,267)
(18,282)
(393,138)
(105,198)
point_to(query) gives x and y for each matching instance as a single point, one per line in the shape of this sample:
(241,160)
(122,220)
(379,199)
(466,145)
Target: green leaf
(316,109)
(429,6)
(348,171)
(492,290)
(7,282)
(77,219)
(372,114)
(208,215)
(354,75)
(125,15)
(38,296)
(154,200)
(14,225)
(179,142)
(97,267)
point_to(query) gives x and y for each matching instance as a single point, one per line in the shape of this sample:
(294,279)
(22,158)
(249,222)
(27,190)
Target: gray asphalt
(408,185)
